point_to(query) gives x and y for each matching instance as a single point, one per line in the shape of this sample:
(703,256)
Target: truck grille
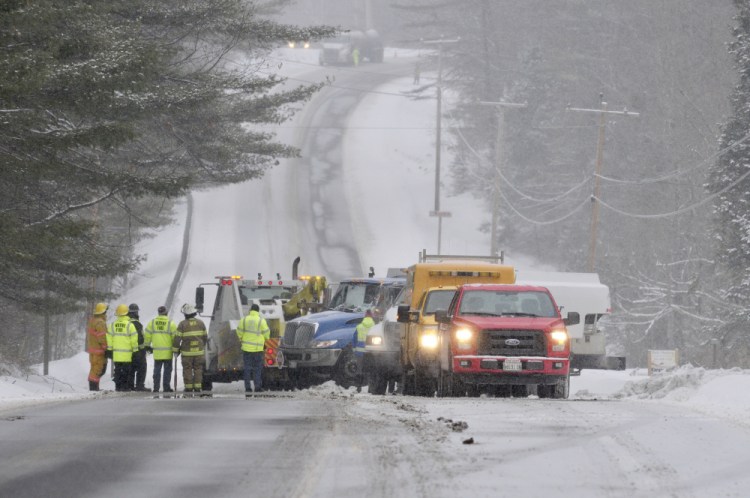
(496,342)
(298,334)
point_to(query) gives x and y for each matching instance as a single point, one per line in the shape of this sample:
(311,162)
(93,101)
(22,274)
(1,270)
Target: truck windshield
(355,296)
(507,303)
(438,300)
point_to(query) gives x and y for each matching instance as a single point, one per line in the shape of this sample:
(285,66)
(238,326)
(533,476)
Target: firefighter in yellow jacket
(158,337)
(96,345)
(253,332)
(190,340)
(122,341)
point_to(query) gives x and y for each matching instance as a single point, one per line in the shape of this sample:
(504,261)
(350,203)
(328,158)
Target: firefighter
(96,345)
(190,340)
(253,332)
(138,366)
(158,337)
(359,346)
(355,56)
(122,342)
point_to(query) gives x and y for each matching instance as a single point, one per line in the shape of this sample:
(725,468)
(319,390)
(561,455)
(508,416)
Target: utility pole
(500,106)
(603,112)
(438,131)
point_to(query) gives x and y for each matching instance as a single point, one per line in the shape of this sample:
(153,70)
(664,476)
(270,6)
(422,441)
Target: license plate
(512,364)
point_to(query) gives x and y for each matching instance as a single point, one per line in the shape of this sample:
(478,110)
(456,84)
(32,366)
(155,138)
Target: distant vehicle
(339,50)
(298,44)
(582,294)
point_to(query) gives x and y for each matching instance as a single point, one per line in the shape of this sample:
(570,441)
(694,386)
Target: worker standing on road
(359,346)
(122,342)
(355,56)
(138,372)
(417,72)
(253,332)
(190,340)
(96,345)
(158,338)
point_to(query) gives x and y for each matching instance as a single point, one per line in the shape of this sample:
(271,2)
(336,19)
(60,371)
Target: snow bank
(721,393)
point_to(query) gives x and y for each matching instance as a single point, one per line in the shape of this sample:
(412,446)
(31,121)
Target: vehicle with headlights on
(503,339)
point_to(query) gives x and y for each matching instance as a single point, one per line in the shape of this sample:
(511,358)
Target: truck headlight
(324,344)
(559,338)
(464,335)
(374,340)
(429,341)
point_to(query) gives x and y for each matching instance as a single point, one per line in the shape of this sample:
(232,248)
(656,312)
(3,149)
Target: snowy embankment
(719,393)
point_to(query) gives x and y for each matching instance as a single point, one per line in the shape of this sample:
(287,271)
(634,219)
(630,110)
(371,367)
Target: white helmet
(188,309)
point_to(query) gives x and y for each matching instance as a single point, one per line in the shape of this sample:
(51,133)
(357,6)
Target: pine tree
(106,103)
(730,179)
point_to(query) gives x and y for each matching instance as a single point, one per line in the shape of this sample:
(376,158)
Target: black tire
(207,384)
(377,383)
(347,370)
(424,384)
(407,384)
(447,385)
(561,390)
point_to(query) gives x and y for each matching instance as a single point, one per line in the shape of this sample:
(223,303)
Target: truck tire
(377,383)
(561,390)
(446,385)
(424,384)
(347,370)
(407,387)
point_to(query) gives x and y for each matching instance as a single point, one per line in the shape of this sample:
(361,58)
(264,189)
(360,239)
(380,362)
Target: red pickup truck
(503,339)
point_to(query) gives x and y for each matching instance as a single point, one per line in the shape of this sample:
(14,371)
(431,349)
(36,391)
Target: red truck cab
(504,338)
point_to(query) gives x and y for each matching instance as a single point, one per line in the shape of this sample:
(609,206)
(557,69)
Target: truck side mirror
(199,299)
(403,314)
(441,316)
(573,318)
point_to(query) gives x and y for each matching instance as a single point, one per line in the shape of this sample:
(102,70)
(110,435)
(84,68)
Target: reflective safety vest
(122,339)
(253,332)
(159,334)
(364,326)
(96,335)
(190,338)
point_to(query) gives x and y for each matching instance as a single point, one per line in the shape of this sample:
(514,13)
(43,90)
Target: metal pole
(438,133)
(597,186)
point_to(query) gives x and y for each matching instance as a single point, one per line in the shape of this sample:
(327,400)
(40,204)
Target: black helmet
(133,308)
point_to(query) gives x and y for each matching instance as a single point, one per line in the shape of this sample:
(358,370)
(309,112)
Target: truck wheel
(207,384)
(348,369)
(561,390)
(407,384)
(377,383)
(446,387)
(425,385)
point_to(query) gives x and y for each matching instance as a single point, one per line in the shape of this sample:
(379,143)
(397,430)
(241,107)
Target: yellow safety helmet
(122,310)
(100,308)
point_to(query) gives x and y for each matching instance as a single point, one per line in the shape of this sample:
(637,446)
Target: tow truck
(278,300)
(320,346)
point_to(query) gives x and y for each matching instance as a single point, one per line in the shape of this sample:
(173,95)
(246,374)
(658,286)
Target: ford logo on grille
(512,342)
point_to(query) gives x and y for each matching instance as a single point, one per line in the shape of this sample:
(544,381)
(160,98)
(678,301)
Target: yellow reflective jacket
(364,326)
(122,339)
(159,335)
(253,332)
